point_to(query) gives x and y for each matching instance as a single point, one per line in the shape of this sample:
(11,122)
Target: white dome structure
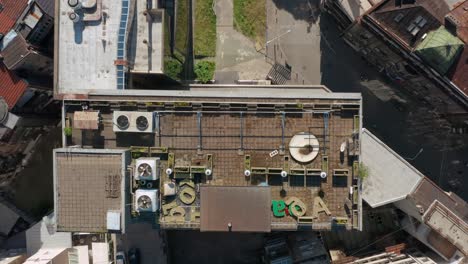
(304,147)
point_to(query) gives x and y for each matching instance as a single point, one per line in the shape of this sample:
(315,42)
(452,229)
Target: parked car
(120,258)
(134,256)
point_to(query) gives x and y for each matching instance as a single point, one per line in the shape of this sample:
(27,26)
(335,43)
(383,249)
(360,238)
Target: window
(296,181)
(398,17)
(416,25)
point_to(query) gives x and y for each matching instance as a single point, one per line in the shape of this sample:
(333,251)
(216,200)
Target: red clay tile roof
(11,87)
(459,16)
(11,10)
(459,72)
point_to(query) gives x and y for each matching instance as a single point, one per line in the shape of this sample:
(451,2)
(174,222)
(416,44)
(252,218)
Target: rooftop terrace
(229,137)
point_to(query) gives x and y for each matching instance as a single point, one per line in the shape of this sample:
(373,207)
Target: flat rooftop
(88,183)
(386,168)
(229,134)
(106,39)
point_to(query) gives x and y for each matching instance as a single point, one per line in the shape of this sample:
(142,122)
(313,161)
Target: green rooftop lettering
(278,207)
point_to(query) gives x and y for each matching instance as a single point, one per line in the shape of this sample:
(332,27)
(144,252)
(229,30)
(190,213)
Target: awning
(86,119)
(237,209)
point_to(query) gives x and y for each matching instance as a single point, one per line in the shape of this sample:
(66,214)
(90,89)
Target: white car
(120,258)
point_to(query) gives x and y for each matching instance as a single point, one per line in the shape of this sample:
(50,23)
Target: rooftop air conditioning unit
(146,200)
(136,122)
(147,169)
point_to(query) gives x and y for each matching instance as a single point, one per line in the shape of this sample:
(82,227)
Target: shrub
(363,171)
(173,68)
(68,131)
(204,70)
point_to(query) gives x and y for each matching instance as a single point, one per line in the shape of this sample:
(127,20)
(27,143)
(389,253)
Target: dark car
(134,256)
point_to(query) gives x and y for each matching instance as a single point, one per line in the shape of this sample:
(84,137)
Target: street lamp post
(273,39)
(277,37)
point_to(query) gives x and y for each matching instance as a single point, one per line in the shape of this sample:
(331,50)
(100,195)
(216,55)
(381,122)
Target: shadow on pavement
(307,10)
(196,247)
(402,122)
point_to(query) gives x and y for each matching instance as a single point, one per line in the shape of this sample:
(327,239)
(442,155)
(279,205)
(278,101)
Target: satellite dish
(122,122)
(323,175)
(142,123)
(144,202)
(208,172)
(343,147)
(145,170)
(284,174)
(168,171)
(247,173)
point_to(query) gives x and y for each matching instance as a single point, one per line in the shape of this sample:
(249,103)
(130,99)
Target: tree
(204,70)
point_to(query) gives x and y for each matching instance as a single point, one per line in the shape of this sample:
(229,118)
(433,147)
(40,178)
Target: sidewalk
(236,57)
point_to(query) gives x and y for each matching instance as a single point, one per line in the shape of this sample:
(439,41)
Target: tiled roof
(11,10)
(459,74)
(11,87)
(16,51)
(438,9)
(459,16)
(407,23)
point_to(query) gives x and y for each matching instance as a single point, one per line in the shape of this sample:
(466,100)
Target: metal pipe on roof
(283,119)
(157,119)
(241,131)
(199,116)
(326,115)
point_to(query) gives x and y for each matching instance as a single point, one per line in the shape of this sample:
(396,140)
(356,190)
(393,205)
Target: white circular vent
(304,147)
